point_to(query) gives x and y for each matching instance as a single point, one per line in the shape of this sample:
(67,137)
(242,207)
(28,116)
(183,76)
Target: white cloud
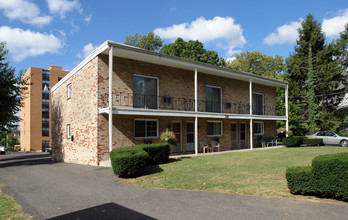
(333,26)
(62,7)
(87,49)
(224,31)
(88,18)
(285,34)
(25,43)
(25,11)
(231,55)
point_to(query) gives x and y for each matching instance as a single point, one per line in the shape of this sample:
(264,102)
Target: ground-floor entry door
(177,132)
(190,136)
(243,135)
(234,135)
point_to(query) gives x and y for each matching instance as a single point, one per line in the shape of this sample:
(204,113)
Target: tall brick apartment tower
(35,125)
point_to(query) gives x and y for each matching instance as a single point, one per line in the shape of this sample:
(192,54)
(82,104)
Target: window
(144,92)
(59,78)
(214,128)
(68,131)
(45,144)
(213,99)
(321,133)
(45,132)
(258,128)
(146,128)
(69,91)
(258,104)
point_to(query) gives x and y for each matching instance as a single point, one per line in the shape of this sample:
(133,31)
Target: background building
(35,113)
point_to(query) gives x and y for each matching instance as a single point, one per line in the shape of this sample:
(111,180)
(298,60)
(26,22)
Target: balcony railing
(130,100)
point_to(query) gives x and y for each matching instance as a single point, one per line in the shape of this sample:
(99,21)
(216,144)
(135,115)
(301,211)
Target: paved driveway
(49,190)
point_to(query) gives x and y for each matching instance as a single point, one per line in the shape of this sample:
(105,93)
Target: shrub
(158,153)
(331,175)
(300,180)
(128,161)
(313,142)
(328,177)
(169,137)
(294,141)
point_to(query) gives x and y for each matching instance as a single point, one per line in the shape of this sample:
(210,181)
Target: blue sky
(41,33)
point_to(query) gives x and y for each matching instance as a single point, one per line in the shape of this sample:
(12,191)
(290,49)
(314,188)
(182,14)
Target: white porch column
(251,133)
(286,110)
(111,56)
(251,111)
(196,110)
(251,96)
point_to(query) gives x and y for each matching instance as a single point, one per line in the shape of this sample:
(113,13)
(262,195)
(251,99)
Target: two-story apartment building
(122,95)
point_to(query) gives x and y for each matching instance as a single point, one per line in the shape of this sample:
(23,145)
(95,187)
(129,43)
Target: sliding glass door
(144,92)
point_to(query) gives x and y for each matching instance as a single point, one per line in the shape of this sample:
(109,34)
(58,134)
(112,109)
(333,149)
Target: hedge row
(327,178)
(313,142)
(130,161)
(296,141)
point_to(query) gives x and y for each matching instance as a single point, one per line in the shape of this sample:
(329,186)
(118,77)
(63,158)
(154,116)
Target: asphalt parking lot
(48,190)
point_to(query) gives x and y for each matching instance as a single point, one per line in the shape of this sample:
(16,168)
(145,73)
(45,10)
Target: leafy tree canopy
(258,63)
(150,41)
(193,50)
(313,71)
(10,91)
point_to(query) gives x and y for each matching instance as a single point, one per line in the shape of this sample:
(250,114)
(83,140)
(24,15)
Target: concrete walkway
(49,190)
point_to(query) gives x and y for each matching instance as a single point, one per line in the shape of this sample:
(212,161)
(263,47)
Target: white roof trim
(169,113)
(90,57)
(168,59)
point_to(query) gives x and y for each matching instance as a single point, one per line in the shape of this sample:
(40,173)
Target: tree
(258,63)
(150,41)
(312,105)
(193,50)
(313,66)
(10,92)
(341,46)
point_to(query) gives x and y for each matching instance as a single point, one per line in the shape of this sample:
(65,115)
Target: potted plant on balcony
(169,137)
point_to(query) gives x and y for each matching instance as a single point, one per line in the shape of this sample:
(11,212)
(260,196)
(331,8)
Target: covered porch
(132,127)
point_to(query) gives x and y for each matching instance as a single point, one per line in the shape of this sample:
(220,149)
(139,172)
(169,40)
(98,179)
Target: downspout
(251,112)
(196,110)
(111,56)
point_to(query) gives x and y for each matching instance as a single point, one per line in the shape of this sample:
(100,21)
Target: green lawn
(259,173)
(9,209)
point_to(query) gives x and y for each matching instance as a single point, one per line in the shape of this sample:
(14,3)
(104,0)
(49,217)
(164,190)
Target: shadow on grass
(151,169)
(105,211)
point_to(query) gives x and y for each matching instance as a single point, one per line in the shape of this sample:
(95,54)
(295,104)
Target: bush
(158,153)
(300,180)
(327,178)
(128,161)
(313,142)
(331,175)
(294,141)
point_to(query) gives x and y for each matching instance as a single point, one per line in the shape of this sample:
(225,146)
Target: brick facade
(90,128)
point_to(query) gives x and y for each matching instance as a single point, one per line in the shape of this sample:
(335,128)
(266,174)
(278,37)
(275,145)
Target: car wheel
(344,143)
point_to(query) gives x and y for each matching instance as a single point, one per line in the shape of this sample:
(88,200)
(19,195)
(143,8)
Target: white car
(2,150)
(331,138)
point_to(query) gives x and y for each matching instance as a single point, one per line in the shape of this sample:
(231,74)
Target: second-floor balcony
(140,101)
